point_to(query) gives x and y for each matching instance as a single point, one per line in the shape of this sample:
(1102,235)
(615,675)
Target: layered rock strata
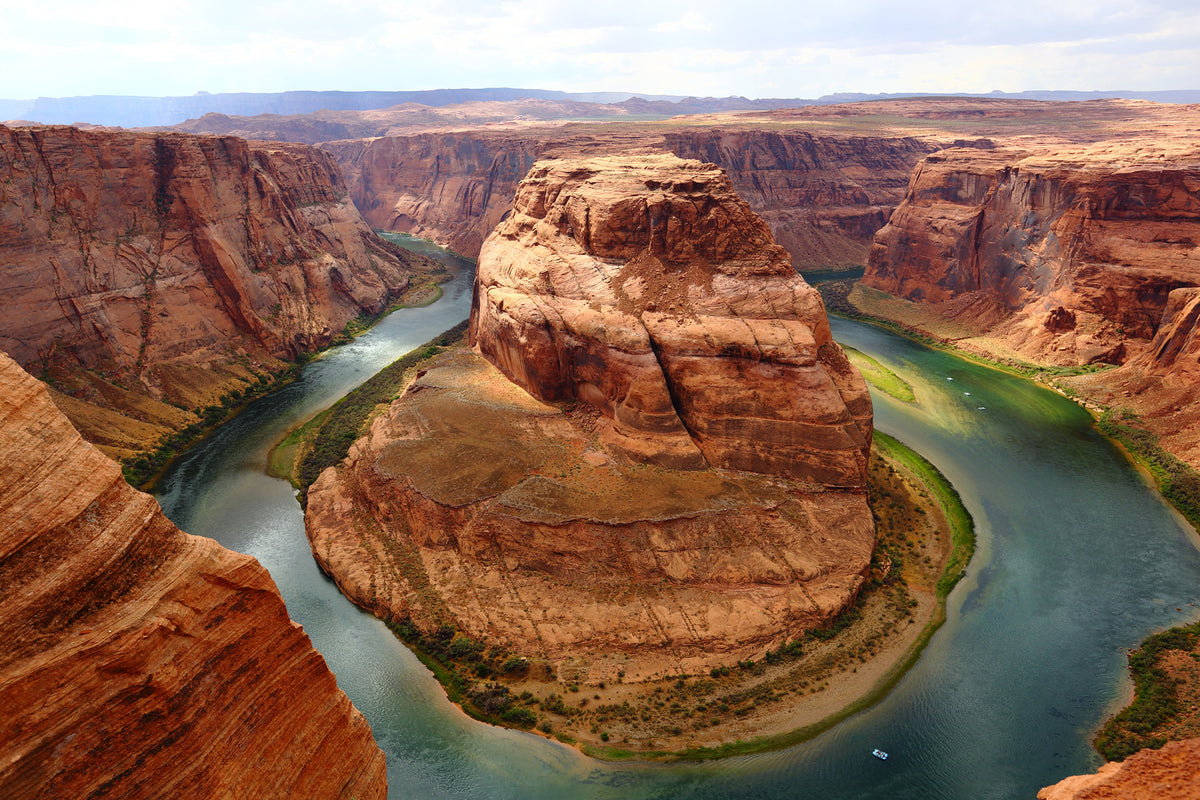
(176,266)
(661,472)
(646,287)
(823,196)
(139,661)
(1087,255)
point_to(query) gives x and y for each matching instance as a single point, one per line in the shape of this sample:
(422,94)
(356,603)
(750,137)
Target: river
(1078,560)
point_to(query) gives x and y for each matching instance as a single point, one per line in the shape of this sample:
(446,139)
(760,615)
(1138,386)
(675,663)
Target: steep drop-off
(1087,255)
(146,275)
(671,476)
(823,196)
(1166,774)
(142,662)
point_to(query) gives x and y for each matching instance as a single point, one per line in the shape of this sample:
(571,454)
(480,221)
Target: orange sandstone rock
(645,287)
(139,661)
(133,258)
(1166,774)
(665,473)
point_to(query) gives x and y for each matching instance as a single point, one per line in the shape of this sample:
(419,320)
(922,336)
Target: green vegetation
(880,376)
(962,527)
(463,666)
(144,469)
(1178,482)
(1155,705)
(347,419)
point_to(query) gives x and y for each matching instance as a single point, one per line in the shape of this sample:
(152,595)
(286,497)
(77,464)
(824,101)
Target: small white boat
(882,756)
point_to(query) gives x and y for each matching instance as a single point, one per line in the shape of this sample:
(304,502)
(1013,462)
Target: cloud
(751,47)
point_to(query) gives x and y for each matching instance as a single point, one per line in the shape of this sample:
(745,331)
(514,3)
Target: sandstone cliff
(650,328)
(823,196)
(139,661)
(1085,255)
(1166,774)
(646,287)
(145,273)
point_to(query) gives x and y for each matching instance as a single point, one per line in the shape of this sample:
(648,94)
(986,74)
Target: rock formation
(1166,774)
(652,330)
(171,268)
(823,196)
(139,661)
(645,287)
(1085,255)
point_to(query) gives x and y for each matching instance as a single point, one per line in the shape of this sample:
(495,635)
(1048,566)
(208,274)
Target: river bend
(1078,560)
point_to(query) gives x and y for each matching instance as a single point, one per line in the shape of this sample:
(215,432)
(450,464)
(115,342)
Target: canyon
(620,418)
(1085,255)
(139,661)
(188,268)
(150,276)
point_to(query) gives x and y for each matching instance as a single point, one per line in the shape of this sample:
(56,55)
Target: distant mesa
(653,464)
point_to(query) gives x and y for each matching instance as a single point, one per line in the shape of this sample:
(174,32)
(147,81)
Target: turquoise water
(1078,560)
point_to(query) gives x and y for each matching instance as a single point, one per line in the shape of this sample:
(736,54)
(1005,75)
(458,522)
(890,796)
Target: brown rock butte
(645,286)
(139,661)
(138,256)
(562,534)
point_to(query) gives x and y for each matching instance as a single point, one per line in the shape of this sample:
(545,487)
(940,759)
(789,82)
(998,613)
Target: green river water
(1078,559)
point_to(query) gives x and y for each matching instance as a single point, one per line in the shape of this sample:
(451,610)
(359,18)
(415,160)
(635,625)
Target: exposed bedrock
(657,464)
(139,661)
(1166,774)
(647,288)
(1078,254)
(138,257)
(1083,256)
(823,196)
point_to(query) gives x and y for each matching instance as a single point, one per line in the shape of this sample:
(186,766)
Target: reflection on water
(1077,561)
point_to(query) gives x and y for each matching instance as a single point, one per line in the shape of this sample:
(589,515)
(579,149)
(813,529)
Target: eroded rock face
(1166,774)
(655,467)
(139,661)
(823,196)
(473,504)
(134,255)
(645,287)
(1085,255)
(1104,235)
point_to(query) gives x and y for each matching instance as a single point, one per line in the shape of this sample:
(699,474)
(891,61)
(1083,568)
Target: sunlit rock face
(653,462)
(138,661)
(645,287)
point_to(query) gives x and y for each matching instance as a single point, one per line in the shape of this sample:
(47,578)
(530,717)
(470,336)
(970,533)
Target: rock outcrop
(1087,255)
(646,287)
(174,267)
(1166,774)
(1102,237)
(823,196)
(139,661)
(652,330)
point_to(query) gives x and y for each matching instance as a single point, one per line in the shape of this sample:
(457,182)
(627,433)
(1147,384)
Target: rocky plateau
(138,661)
(652,464)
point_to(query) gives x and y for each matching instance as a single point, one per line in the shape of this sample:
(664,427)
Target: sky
(752,48)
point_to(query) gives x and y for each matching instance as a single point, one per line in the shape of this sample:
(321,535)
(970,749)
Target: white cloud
(701,47)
